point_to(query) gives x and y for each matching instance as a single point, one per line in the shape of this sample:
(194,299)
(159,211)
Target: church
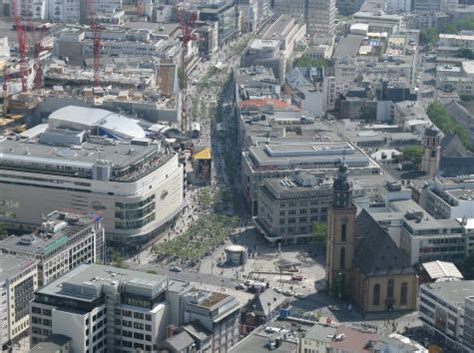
(363,262)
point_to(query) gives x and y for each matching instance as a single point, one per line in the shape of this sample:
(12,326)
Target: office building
(18,281)
(102,308)
(447,312)
(278,158)
(425,239)
(217,313)
(448,198)
(62,242)
(319,15)
(228,20)
(380,21)
(91,159)
(289,207)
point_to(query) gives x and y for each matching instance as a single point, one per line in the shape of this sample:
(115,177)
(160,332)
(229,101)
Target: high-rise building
(319,15)
(18,281)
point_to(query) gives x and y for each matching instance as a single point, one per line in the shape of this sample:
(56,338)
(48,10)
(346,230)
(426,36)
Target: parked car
(176,269)
(334,307)
(297,278)
(241,286)
(299,295)
(288,292)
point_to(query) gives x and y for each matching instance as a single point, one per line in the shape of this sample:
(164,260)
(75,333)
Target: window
(138,325)
(35,310)
(47,312)
(138,336)
(390,288)
(343,232)
(342,259)
(376,295)
(138,316)
(404,293)
(147,317)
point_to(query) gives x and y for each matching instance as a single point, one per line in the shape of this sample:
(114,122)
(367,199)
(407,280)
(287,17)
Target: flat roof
(41,243)
(454,293)
(95,275)
(348,46)
(321,333)
(53,343)
(286,155)
(11,266)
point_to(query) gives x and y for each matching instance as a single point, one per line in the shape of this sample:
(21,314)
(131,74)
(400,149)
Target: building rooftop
(290,155)
(354,340)
(56,230)
(85,282)
(348,46)
(297,186)
(454,293)
(440,269)
(53,343)
(11,266)
(321,333)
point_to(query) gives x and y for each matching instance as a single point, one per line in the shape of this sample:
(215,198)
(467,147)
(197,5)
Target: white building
(119,310)
(91,159)
(18,281)
(448,198)
(64,11)
(4,47)
(62,242)
(397,6)
(35,9)
(447,312)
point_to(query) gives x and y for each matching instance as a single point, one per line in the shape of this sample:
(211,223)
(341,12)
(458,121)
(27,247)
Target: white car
(176,269)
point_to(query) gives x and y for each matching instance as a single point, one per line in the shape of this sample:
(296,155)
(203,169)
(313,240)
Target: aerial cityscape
(237,176)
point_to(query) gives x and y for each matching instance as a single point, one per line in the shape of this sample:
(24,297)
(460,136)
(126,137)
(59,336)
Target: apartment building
(18,281)
(91,159)
(62,242)
(447,312)
(288,207)
(227,17)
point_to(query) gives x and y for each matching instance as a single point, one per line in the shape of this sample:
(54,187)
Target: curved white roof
(80,118)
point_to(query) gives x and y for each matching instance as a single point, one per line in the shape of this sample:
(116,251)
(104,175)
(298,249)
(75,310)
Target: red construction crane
(95,41)
(22,47)
(188,37)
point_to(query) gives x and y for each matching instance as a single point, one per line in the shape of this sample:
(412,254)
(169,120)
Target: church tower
(341,235)
(431,151)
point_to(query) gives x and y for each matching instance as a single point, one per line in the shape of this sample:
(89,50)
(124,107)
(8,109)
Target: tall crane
(188,37)
(95,41)
(22,47)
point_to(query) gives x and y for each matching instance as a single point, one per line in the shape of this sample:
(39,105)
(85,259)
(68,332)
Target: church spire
(342,187)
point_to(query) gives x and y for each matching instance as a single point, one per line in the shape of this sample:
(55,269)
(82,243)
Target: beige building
(18,281)
(290,206)
(363,262)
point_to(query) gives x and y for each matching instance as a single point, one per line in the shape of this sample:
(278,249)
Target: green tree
(413,153)
(320,234)
(429,36)
(117,260)
(468,266)
(465,53)
(309,62)
(440,117)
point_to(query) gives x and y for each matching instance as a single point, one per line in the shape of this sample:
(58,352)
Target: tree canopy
(440,117)
(413,153)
